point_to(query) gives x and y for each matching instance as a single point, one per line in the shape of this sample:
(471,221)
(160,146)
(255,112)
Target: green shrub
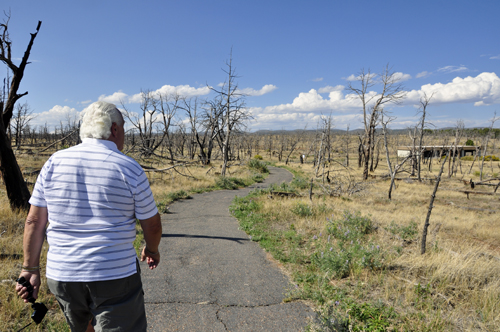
(225,182)
(300,183)
(347,248)
(407,233)
(467,158)
(176,195)
(258,157)
(258,166)
(490,157)
(469,142)
(257,178)
(302,210)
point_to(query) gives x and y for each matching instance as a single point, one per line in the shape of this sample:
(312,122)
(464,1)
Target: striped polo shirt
(93,194)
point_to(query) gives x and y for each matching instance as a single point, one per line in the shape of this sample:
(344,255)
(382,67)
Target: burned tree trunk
(17,190)
(433,196)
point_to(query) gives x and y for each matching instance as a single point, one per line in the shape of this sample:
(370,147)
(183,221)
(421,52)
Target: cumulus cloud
(252,92)
(182,90)
(358,77)
(115,98)
(484,89)
(352,78)
(328,89)
(294,120)
(55,116)
(401,77)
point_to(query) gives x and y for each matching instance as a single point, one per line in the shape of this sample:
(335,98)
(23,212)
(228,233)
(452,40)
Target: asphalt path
(212,277)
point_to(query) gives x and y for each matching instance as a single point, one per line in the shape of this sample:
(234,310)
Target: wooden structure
(434,151)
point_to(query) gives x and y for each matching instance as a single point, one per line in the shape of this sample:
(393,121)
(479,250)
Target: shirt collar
(101,142)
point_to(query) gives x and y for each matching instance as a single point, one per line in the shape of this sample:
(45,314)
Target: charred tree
(17,190)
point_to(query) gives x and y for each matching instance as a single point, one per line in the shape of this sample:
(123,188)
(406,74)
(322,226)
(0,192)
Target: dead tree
(347,147)
(20,122)
(234,114)
(325,143)
(17,190)
(293,142)
(458,135)
(154,120)
(424,102)
(372,104)
(485,144)
(429,211)
(203,120)
(389,165)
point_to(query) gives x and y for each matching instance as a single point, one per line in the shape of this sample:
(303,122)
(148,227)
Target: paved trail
(211,277)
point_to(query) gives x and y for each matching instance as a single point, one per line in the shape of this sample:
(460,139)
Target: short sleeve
(38,196)
(145,206)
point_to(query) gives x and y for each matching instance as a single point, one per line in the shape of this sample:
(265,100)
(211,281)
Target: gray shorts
(113,305)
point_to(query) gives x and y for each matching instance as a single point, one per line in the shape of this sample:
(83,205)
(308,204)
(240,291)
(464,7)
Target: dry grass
(461,265)
(462,262)
(14,314)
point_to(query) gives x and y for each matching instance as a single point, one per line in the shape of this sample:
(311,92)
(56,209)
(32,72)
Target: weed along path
(212,277)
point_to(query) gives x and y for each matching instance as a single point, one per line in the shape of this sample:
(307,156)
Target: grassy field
(354,257)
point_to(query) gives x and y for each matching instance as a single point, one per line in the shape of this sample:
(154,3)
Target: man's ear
(114,129)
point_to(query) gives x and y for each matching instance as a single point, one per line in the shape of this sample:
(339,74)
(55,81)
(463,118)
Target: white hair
(97,120)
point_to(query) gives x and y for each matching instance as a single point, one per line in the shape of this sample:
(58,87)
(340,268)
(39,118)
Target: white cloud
(423,74)
(265,89)
(352,78)
(484,89)
(295,120)
(319,79)
(328,89)
(452,69)
(55,116)
(495,57)
(400,77)
(358,77)
(182,90)
(116,98)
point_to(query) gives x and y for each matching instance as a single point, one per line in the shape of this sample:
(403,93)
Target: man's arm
(34,235)
(152,235)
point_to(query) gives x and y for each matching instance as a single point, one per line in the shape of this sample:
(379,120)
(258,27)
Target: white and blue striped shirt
(93,194)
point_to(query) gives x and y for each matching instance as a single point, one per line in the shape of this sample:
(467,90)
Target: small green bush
(229,183)
(258,157)
(258,166)
(302,210)
(490,157)
(407,233)
(467,158)
(469,142)
(300,183)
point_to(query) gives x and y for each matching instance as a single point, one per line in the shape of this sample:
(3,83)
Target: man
(90,195)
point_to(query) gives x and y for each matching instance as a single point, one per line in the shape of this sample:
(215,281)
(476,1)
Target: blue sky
(294,58)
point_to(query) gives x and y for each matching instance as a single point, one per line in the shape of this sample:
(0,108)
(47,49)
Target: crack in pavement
(220,319)
(220,305)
